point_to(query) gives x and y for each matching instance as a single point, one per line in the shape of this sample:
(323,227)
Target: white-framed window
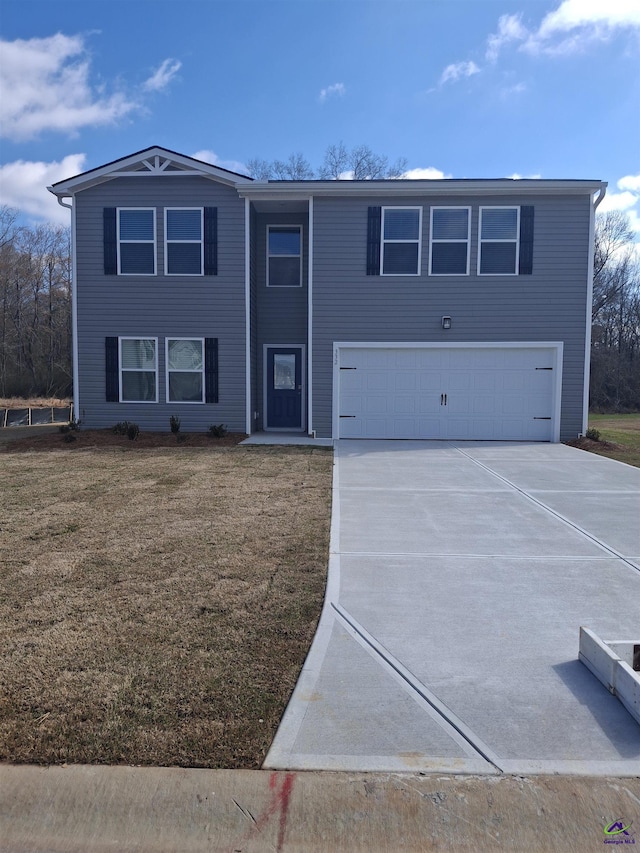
(450,232)
(401,243)
(498,246)
(136,230)
(184,243)
(284,256)
(138,360)
(185,370)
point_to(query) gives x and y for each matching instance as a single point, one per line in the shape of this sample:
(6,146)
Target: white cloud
(46,86)
(429,173)
(338,89)
(161,78)
(627,200)
(510,29)
(208,156)
(578,13)
(630,182)
(24,186)
(458,70)
(518,177)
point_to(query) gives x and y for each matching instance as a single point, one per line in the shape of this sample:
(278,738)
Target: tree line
(35,310)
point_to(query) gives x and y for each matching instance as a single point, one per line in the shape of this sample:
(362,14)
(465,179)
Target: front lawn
(619,437)
(156,605)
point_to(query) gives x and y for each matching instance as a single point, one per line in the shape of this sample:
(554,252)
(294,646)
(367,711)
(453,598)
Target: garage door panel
(484,393)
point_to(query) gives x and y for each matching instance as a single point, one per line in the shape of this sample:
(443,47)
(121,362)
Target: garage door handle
(541,419)
(443,399)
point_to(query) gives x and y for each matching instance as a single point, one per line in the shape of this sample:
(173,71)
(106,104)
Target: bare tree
(615,348)
(340,163)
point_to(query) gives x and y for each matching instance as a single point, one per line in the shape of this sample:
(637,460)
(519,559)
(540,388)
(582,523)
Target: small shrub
(217,431)
(121,428)
(174,423)
(74,425)
(133,431)
(593,434)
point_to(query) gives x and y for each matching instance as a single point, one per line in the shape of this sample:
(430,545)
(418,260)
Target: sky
(460,88)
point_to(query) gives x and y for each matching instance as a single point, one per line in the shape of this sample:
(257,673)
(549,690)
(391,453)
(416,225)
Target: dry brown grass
(34,402)
(156,605)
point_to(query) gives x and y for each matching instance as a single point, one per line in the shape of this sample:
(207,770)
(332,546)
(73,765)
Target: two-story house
(373,309)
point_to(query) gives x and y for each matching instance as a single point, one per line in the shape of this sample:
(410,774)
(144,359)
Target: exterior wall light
(446,322)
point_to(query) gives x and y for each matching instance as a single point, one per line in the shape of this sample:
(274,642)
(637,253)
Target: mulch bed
(105,438)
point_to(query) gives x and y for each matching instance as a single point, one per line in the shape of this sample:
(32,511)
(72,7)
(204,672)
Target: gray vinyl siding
(161,306)
(281,311)
(549,305)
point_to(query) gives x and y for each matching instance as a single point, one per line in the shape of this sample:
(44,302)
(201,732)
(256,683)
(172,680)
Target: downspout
(310,429)
(587,340)
(74,307)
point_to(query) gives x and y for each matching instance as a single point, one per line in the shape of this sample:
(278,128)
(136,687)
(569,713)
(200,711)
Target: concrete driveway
(460,574)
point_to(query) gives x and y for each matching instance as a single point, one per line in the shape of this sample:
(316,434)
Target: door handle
(443,399)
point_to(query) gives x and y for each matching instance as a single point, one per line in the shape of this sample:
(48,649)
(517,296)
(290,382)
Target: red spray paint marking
(279,802)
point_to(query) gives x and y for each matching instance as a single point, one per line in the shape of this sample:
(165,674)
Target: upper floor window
(450,234)
(184,246)
(498,251)
(400,250)
(138,359)
(136,241)
(284,256)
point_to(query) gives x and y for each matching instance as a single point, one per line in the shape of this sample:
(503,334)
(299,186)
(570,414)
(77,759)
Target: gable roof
(150,161)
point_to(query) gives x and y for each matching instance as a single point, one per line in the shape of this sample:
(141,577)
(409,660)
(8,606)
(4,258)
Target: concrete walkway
(460,574)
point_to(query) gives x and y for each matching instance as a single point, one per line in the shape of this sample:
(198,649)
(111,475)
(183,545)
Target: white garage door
(484,393)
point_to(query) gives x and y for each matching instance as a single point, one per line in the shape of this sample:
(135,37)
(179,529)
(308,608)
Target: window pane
(284,272)
(185,355)
(184,258)
(184,224)
(136,225)
(450,224)
(185,387)
(136,259)
(498,258)
(138,354)
(284,241)
(284,371)
(400,259)
(500,224)
(402,224)
(449,259)
(139,386)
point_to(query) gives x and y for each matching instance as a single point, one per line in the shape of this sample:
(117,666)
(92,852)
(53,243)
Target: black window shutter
(110,241)
(112,369)
(211,370)
(526,240)
(373,240)
(211,241)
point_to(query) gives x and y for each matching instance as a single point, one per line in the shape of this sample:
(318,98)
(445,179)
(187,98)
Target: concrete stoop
(89,809)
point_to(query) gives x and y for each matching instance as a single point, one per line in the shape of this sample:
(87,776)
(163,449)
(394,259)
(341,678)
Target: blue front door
(284,388)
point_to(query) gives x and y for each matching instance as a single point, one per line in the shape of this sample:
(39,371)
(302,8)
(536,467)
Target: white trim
(167,371)
(439,240)
(190,242)
(265,367)
(248,420)
(292,227)
(155,161)
(515,207)
(588,321)
(132,370)
(302,190)
(310,320)
(74,315)
(411,242)
(137,242)
(557,346)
